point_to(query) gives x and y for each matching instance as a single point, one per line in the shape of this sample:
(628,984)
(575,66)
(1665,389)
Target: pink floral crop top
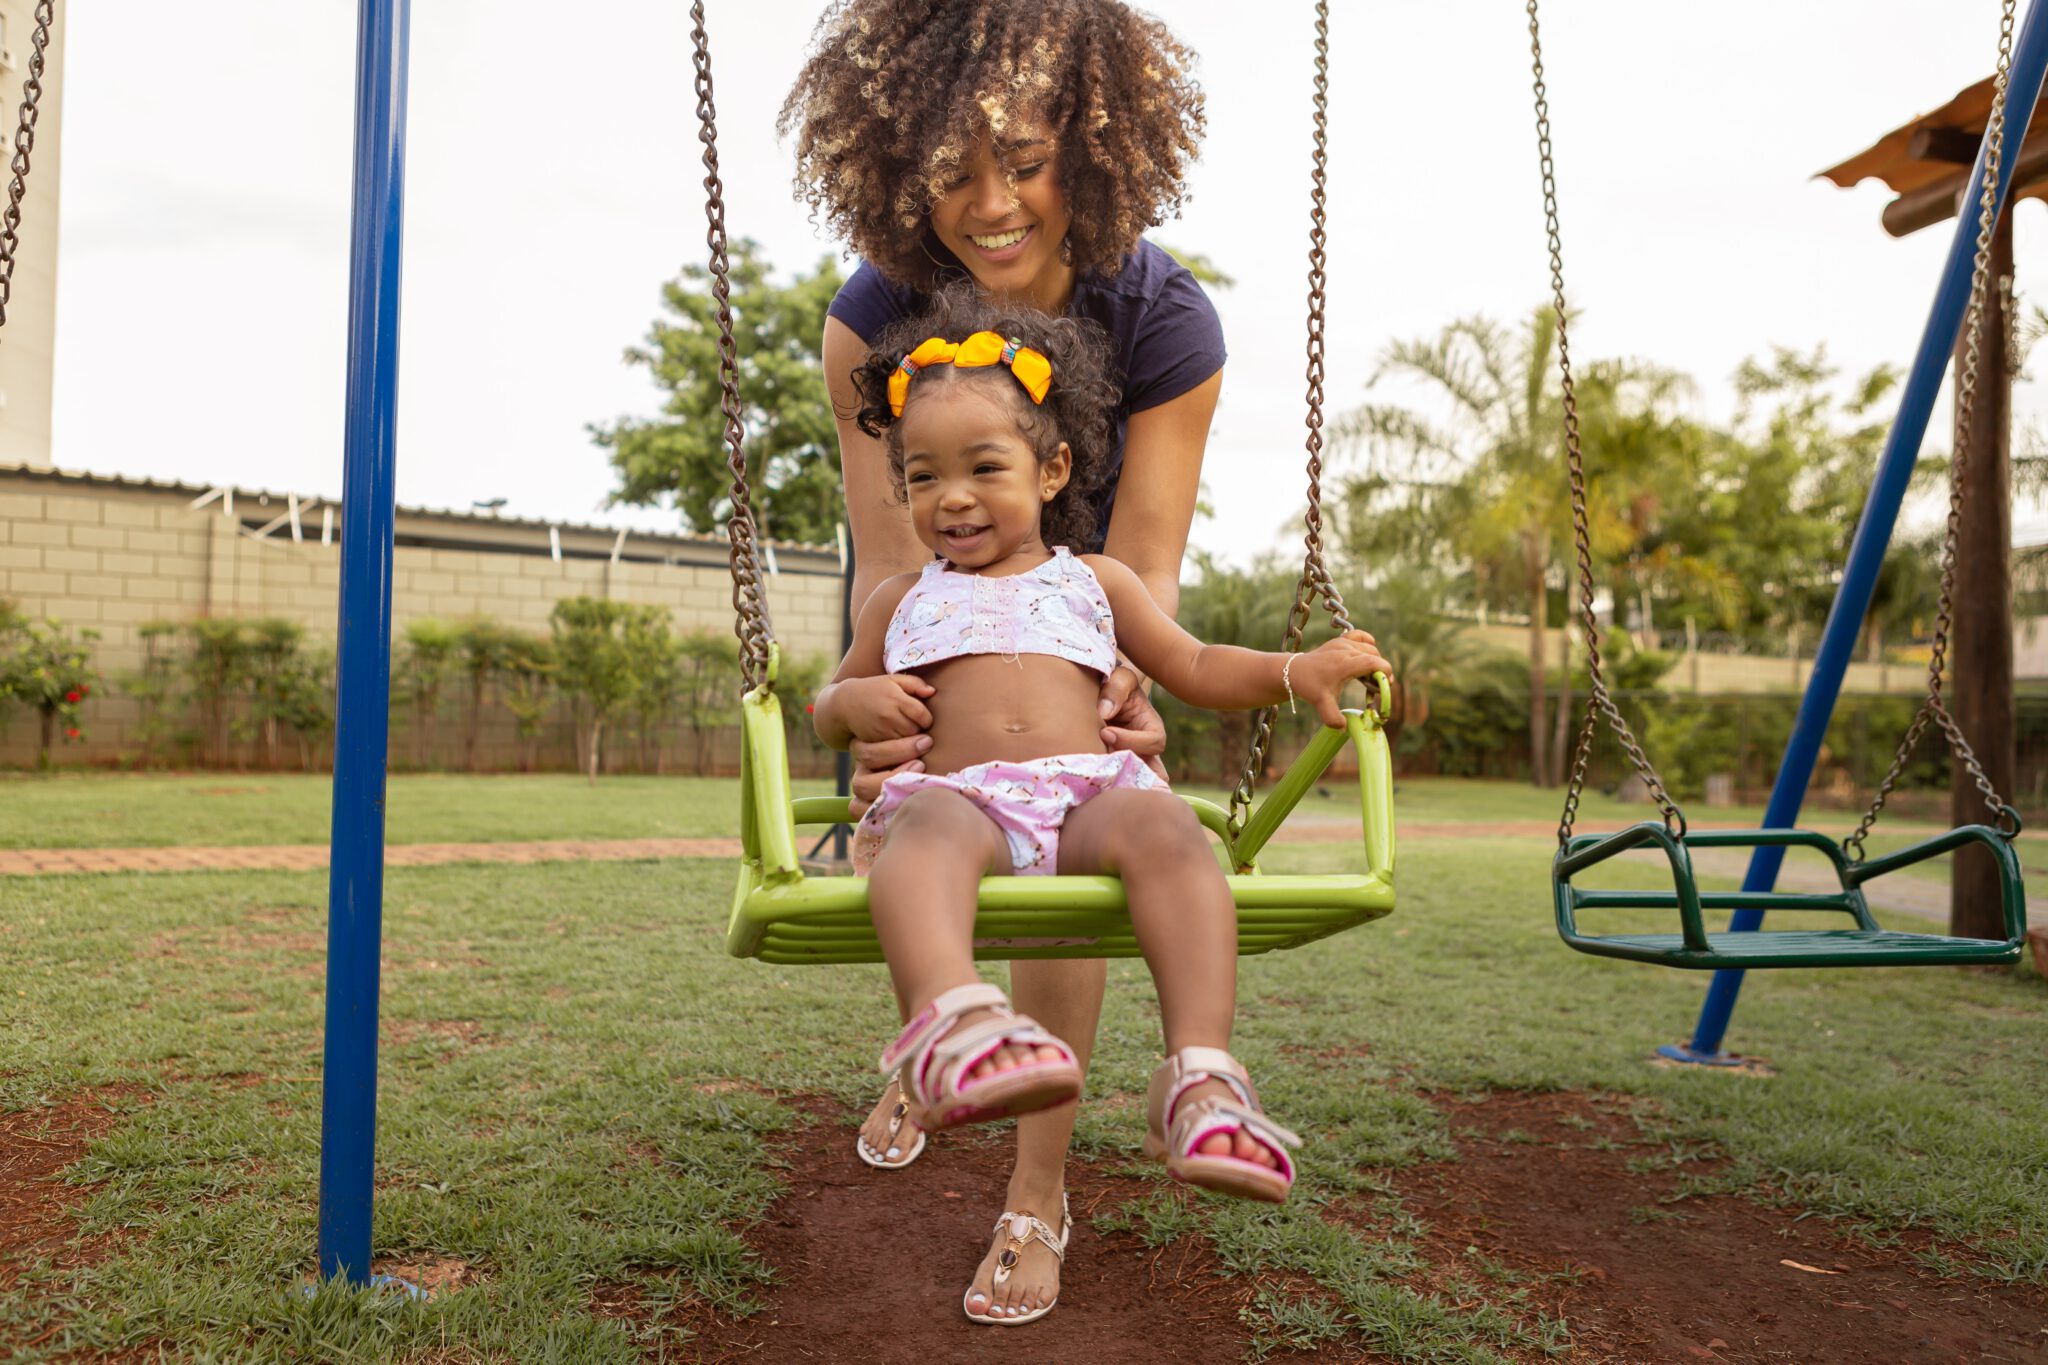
(1057,608)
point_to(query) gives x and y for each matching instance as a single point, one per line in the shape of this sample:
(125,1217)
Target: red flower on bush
(71,733)
(75,695)
(83,691)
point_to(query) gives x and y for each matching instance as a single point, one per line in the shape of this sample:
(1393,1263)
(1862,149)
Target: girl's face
(1010,240)
(975,486)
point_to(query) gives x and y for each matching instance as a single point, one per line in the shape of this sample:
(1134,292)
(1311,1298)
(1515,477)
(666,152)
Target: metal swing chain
(750,603)
(1934,708)
(24,144)
(1315,573)
(1600,702)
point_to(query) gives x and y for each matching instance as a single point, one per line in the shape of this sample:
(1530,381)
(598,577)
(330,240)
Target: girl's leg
(923,889)
(1183,916)
(1066,997)
(922,894)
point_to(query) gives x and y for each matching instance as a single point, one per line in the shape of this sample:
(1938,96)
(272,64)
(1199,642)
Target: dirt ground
(873,1264)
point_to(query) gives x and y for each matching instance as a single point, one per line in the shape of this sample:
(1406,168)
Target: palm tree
(1482,489)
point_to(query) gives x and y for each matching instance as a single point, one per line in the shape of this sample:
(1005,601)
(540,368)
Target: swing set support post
(355,896)
(1874,530)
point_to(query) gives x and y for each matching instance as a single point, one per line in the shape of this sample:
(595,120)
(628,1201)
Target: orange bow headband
(1032,369)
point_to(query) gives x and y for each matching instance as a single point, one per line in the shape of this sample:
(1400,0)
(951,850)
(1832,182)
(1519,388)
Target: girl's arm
(864,700)
(1225,677)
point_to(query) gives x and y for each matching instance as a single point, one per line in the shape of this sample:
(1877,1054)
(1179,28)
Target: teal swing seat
(1865,945)
(782,914)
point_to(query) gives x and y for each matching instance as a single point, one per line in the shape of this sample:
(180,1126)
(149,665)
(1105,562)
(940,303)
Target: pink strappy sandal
(1174,1127)
(935,1052)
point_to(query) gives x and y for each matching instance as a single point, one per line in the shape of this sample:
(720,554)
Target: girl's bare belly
(987,708)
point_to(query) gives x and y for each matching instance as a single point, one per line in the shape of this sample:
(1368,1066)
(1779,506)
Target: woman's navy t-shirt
(1164,330)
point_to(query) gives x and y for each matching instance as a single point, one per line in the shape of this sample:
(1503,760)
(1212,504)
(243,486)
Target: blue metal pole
(1874,531)
(355,894)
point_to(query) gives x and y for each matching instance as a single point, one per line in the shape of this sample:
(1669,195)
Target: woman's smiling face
(1009,238)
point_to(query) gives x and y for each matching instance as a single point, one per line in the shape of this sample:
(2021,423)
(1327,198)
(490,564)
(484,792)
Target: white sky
(554,184)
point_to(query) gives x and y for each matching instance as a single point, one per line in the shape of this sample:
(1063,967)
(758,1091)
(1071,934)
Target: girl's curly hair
(897,93)
(1079,406)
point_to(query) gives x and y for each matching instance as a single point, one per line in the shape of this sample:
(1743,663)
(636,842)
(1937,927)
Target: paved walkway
(1908,895)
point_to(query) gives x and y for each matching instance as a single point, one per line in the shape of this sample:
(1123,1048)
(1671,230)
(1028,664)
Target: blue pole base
(1685,1054)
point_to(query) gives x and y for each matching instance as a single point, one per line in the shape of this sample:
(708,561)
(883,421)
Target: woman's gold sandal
(892,1157)
(1022,1230)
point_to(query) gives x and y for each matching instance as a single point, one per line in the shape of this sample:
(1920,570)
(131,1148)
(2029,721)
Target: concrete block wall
(111,556)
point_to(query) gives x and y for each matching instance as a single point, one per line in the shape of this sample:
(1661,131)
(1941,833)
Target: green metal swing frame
(1866,945)
(782,914)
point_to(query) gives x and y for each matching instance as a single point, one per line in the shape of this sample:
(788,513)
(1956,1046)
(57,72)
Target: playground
(421,1068)
(602,1140)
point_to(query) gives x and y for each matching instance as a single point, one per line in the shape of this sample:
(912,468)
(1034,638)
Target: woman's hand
(1319,675)
(876,763)
(1129,721)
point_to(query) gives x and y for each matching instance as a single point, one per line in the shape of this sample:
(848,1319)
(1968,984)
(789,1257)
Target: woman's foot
(1019,1280)
(890,1139)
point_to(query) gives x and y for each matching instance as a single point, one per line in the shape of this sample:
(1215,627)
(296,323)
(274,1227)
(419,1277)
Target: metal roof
(314,500)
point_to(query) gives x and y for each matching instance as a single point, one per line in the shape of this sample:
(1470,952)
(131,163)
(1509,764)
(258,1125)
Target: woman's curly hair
(897,93)
(1079,407)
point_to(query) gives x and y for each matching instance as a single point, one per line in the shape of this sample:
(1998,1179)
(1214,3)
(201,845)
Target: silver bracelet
(1286,669)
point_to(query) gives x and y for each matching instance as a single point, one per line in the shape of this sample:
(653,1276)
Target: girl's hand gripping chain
(1318,676)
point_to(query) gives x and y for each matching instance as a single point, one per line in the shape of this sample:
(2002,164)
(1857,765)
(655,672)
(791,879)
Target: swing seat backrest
(782,914)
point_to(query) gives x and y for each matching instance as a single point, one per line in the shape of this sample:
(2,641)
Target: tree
(528,691)
(708,688)
(1243,607)
(1204,270)
(792,442)
(594,664)
(1487,483)
(50,669)
(483,651)
(429,661)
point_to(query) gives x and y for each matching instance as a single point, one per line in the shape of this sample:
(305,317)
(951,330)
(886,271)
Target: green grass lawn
(94,809)
(559,1039)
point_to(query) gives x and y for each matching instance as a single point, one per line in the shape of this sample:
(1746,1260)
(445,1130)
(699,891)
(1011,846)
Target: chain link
(1600,702)
(750,604)
(1935,709)
(1315,577)
(24,144)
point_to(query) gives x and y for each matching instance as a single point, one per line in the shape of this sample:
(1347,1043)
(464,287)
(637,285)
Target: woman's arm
(1155,494)
(882,540)
(1148,532)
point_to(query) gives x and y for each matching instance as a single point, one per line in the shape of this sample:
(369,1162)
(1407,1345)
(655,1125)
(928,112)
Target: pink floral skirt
(1027,801)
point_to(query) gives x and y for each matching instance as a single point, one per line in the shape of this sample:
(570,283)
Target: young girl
(996,422)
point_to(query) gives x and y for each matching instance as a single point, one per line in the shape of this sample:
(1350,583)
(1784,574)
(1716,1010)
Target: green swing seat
(1865,945)
(782,914)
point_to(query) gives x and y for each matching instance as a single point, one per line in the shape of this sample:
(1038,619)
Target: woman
(1026,147)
